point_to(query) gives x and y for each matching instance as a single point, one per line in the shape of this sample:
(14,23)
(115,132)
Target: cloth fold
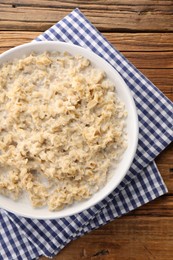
(22,238)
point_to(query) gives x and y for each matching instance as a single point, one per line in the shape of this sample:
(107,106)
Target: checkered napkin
(22,238)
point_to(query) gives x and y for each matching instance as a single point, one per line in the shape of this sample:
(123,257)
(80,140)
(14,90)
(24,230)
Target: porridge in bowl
(62,126)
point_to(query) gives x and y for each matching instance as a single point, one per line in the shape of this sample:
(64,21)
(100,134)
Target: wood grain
(111,15)
(122,41)
(143,31)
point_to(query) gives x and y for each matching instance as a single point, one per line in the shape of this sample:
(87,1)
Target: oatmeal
(62,125)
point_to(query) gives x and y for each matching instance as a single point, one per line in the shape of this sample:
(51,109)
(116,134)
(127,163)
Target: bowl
(22,207)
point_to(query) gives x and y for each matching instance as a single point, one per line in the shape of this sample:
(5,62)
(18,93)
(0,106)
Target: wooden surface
(143,31)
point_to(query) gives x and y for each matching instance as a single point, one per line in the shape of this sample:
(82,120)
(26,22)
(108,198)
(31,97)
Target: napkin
(24,238)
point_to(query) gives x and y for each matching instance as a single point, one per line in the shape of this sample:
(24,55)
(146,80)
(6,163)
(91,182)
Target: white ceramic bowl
(23,206)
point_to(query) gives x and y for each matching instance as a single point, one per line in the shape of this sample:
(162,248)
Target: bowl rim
(136,128)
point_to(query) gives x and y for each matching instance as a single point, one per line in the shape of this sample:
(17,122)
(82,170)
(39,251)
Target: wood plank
(150,60)
(140,237)
(122,41)
(162,78)
(98,4)
(143,15)
(141,41)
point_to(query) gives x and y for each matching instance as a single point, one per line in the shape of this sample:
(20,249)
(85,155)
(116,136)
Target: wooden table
(143,31)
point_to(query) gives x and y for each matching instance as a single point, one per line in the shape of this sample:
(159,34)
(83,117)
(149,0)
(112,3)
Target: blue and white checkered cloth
(22,238)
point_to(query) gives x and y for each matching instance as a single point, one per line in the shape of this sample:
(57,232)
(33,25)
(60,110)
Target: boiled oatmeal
(62,126)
